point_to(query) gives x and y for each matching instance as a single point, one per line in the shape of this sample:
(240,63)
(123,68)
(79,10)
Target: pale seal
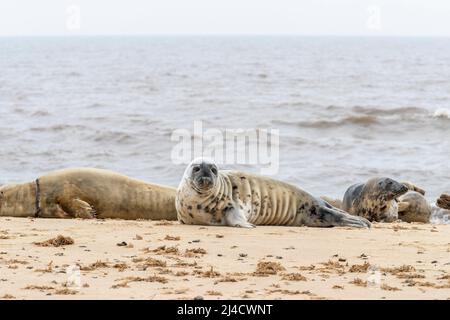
(413,207)
(374,200)
(207,196)
(88,193)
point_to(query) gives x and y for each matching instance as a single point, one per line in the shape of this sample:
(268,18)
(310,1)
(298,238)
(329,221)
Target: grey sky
(304,17)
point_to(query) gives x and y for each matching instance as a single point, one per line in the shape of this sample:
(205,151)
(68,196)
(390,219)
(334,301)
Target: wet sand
(164,260)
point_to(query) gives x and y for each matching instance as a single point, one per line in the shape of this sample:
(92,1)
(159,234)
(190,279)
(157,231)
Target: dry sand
(128,260)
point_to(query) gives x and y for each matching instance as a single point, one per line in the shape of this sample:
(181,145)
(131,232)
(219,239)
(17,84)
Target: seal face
(375,200)
(209,196)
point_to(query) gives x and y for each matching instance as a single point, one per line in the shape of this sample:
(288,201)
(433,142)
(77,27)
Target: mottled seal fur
(414,207)
(88,193)
(207,196)
(374,200)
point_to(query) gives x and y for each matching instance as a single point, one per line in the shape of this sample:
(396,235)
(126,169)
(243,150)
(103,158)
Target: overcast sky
(304,17)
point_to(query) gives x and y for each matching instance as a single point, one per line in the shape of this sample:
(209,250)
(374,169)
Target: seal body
(208,196)
(375,200)
(413,207)
(88,193)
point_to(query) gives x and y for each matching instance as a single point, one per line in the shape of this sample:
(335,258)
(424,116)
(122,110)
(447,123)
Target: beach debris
(122,244)
(444,201)
(264,268)
(359,282)
(125,281)
(211,273)
(194,252)
(293,277)
(389,288)
(96,265)
(172,238)
(165,250)
(360,267)
(150,262)
(59,241)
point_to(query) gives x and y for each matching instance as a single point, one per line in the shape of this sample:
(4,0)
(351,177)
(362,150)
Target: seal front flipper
(236,218)
(402,206)
(78,208)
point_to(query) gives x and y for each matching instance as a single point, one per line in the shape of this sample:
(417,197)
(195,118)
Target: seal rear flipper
(78,208)
(413,187)
(328,216)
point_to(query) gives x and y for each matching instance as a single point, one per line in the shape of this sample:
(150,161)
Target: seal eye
(196,169)
(214,171)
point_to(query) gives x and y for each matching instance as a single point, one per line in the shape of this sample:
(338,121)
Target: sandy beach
(114,259)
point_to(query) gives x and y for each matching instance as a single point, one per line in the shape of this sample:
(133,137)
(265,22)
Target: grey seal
(209,196)
(374,200)
(88,193)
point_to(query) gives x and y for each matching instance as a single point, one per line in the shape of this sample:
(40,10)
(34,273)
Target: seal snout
(396,189)
(204,174)
(204,181)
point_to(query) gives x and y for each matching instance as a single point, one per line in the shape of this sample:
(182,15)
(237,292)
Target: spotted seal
(375,200)
(207,196)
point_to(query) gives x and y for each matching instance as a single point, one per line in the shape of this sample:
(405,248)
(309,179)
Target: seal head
(202,175)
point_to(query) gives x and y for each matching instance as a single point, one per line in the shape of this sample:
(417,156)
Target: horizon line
(74,34)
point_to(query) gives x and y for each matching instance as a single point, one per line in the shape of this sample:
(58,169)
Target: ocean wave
(321,124)
(113,136)
(442,113)
(389,111)
(58,128)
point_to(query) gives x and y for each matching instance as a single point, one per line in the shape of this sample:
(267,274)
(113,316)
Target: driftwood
(444,201)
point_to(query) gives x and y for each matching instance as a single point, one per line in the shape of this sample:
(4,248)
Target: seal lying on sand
(413,207)
(444,201)
(374,200)
(208,196)
(88,193)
